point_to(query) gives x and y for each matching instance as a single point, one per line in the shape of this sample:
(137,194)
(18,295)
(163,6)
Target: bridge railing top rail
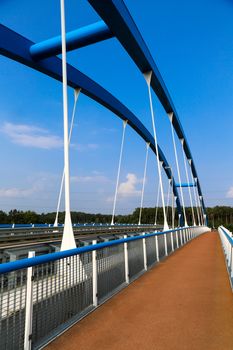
(28,262)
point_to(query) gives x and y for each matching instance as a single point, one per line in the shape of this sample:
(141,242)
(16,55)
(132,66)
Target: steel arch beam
(17,47)
(119,20)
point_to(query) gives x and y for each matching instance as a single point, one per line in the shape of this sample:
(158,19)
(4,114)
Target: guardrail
(11,235)
(42,296)
(227,244)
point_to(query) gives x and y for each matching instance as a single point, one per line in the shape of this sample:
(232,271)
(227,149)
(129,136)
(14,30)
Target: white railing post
(126,261)
(144,252)
(177,241)
(165,243)
(181,237)
(185,235)
(94,276)
(157,248)
(172,241)
(29,307)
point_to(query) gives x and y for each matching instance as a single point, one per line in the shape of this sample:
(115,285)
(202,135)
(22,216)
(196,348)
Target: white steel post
(177,241)
(126,261)
(165,243)
(29,307)
(172,241)
(68,241)
(157,248)
(94,275)
(144,252)
(181,237)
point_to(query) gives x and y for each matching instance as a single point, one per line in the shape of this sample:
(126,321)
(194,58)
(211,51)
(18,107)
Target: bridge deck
(184,302)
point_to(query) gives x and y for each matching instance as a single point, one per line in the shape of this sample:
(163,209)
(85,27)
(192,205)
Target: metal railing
(227,244)
(42,296)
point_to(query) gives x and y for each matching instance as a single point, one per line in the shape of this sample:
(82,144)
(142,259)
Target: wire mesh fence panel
(161,246)
(110,270)
(62,292)
(169,242)
(12,310)
(150,250)
(136,259)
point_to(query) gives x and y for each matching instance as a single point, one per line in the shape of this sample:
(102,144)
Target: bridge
(117,286)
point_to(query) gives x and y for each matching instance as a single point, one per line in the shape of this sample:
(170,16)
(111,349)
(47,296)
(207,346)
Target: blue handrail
(42,259)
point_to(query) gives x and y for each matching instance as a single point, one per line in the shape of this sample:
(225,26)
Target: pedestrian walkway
(185,302)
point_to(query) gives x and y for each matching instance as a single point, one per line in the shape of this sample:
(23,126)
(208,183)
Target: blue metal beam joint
(75,39)
(185,185)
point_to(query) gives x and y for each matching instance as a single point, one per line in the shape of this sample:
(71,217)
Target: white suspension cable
(170,115)
(147,77)
(201,210)
(119,170)
(68,240)
(76,94)
(195,196)
(187,179)
(173,210)
(168,195)
(157,204)
(143,184)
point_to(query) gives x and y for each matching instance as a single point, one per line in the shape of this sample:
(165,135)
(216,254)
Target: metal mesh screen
(12,310)
(110,269)
(150,250)
(169,242)
(135,254)
(161,246)
(62,291)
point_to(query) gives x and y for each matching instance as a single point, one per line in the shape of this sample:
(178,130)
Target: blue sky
(192,44)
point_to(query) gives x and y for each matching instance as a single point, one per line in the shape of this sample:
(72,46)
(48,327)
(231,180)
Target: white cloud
(16,192)
(90,178)
(230,192)
(31,136)
(128,188)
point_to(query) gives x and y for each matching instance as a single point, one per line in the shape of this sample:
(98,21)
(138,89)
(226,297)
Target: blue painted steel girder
(116,15)
(16,47)
(75,39)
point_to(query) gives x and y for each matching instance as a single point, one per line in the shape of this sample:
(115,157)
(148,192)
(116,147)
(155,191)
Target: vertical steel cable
(157,204)
(68,240)
(143,184)
(148,76)
(178,168)
(76,94)
(119,170)
(187,179)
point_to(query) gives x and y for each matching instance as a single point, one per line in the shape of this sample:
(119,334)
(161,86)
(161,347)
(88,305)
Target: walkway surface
(185,302)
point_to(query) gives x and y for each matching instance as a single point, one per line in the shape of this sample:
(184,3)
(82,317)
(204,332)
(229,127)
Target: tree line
(218,215)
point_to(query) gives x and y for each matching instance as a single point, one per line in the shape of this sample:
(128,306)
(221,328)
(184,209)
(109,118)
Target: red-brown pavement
(185,302)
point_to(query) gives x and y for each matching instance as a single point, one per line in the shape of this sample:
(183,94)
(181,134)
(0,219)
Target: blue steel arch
(17,47)
(119,21)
